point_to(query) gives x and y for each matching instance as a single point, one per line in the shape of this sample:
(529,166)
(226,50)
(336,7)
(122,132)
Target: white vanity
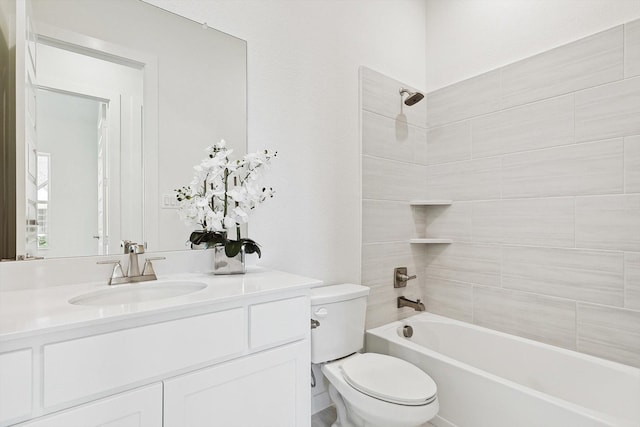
(233,353)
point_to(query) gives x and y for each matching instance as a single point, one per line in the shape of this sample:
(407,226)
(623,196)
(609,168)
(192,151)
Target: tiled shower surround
(542,161)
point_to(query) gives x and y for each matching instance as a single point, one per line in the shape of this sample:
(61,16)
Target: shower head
(413,98)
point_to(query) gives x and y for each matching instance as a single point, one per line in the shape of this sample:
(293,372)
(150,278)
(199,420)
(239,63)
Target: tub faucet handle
(400,277)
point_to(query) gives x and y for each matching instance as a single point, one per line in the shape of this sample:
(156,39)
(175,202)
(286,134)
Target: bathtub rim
(390,330)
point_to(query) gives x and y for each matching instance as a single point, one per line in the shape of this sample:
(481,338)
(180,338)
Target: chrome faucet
(133,272)
(405,302)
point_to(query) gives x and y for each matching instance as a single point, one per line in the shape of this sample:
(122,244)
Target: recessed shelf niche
(429,240)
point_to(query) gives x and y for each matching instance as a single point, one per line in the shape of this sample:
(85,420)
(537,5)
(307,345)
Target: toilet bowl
(380,391)
(368,389)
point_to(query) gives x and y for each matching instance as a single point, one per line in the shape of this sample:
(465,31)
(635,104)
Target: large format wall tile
(632,280)
(542,124)
(379,260)
(464,262)
(608,111)
(384,221)
(392,180)
(382,305)
(448,298)
(608,222)
(583,275)
(450,222)
(565,214)
(450,143)
(632,48)
(632,164)
(381,94)
(537,222)
(609,332)
(532,316)
(581,169)
(588,62)
(393,139)
(466,180)
(469,98)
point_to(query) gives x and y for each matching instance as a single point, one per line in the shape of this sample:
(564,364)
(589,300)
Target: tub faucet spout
(416,305)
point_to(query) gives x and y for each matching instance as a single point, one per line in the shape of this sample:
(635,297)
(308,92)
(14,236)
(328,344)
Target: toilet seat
(376,411)
(389,379)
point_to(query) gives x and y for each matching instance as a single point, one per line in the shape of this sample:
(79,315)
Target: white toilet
(368,389)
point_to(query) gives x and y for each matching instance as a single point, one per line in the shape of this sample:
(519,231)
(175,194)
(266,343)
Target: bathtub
(487,378)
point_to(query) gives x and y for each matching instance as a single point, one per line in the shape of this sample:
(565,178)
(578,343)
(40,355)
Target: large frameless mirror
(114,103)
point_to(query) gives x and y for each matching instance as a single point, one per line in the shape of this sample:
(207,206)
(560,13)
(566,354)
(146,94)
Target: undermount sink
(138,292)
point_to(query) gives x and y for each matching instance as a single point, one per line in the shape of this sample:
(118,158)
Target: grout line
(533,102)
(394,160)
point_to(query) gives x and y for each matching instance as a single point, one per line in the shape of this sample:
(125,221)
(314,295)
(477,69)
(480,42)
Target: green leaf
(252,247)
(211,238)
(232,248)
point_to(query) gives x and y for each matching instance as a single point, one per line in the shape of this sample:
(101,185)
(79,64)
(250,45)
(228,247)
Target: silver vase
(222,264)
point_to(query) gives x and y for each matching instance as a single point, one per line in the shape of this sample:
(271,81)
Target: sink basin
(138,292)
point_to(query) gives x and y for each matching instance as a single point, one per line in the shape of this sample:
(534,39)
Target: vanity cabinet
(15,384)
(137,408)
(243,363)
(260,390)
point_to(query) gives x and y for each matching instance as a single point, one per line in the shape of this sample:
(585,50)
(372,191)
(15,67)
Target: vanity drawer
(86,366)
(15,384)
(278,322)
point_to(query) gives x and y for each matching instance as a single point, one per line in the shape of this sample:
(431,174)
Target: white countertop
(28,312)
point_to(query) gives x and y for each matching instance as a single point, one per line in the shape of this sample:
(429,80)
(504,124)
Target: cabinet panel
(279,322)
(86,366)
(270,389)
(137,408)
(15,385)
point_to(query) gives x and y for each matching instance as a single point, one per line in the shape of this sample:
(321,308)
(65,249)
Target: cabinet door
(138,408)
(269,389)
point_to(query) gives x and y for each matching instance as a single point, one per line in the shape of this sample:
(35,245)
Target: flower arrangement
(221,195)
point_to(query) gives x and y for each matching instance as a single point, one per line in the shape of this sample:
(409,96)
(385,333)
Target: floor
(324,418)
(327,416)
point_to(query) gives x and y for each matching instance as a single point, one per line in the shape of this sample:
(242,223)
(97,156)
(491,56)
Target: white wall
(467,37)
(303,60)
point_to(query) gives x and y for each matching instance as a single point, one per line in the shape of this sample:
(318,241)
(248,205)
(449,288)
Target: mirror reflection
(121,99)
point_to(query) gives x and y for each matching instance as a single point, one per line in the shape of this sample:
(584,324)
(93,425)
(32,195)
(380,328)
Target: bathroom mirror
(122,98)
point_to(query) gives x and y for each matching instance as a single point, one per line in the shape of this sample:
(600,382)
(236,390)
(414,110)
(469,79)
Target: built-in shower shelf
(430,202)
(430,241)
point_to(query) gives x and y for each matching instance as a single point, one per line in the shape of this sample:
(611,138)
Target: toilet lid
(389,378)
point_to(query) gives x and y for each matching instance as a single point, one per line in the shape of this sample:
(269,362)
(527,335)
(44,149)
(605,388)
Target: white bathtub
(491,379)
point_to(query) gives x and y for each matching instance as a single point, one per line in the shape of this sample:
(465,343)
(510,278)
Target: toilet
(368,389)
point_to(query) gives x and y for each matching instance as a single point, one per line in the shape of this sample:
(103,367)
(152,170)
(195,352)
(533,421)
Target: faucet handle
(400,277)
(116,273)
(148,270)
(132,247)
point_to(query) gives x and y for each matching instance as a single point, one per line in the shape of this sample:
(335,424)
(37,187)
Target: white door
(138,408)
(269,389)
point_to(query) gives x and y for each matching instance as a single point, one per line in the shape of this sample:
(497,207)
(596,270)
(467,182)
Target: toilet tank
(340,311)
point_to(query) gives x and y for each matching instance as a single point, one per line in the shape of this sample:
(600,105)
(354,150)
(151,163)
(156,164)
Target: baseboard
(319,402)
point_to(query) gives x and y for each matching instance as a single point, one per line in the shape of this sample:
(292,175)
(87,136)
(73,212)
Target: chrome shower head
(413,98)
